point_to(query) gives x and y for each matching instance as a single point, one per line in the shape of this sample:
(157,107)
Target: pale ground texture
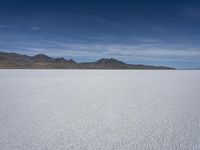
(99,110)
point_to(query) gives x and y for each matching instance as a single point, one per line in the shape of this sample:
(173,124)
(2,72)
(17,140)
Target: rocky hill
(41,61)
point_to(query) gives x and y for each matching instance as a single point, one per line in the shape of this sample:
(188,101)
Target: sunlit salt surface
(99,110)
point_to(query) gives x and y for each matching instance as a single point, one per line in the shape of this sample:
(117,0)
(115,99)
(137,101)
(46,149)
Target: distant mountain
(41,61)
(109,61)
(42,58)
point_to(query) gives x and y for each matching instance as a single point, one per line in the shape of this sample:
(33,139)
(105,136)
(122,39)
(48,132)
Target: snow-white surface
(99,110)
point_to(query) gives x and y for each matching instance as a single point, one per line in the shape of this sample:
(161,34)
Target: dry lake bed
(99,110)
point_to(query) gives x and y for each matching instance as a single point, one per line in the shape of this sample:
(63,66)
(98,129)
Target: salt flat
(99,110)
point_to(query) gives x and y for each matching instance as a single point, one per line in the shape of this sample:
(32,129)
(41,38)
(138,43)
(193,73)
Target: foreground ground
(89,110)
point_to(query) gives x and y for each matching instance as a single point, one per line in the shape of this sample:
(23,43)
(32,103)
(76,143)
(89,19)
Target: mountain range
(41,61)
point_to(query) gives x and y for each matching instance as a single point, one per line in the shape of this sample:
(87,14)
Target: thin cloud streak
(151,50)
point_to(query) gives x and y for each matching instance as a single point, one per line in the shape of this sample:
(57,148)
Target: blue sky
(144,31)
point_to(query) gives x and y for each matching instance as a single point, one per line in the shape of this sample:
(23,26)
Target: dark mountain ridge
(41,61)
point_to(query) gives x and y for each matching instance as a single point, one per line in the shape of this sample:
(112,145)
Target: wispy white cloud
(155,50)
(35,28)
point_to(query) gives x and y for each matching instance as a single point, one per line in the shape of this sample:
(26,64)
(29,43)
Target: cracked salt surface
(99,110)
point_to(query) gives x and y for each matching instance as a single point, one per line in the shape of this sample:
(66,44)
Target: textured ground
(99,110)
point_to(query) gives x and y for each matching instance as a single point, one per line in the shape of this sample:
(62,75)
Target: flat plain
(99,110)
